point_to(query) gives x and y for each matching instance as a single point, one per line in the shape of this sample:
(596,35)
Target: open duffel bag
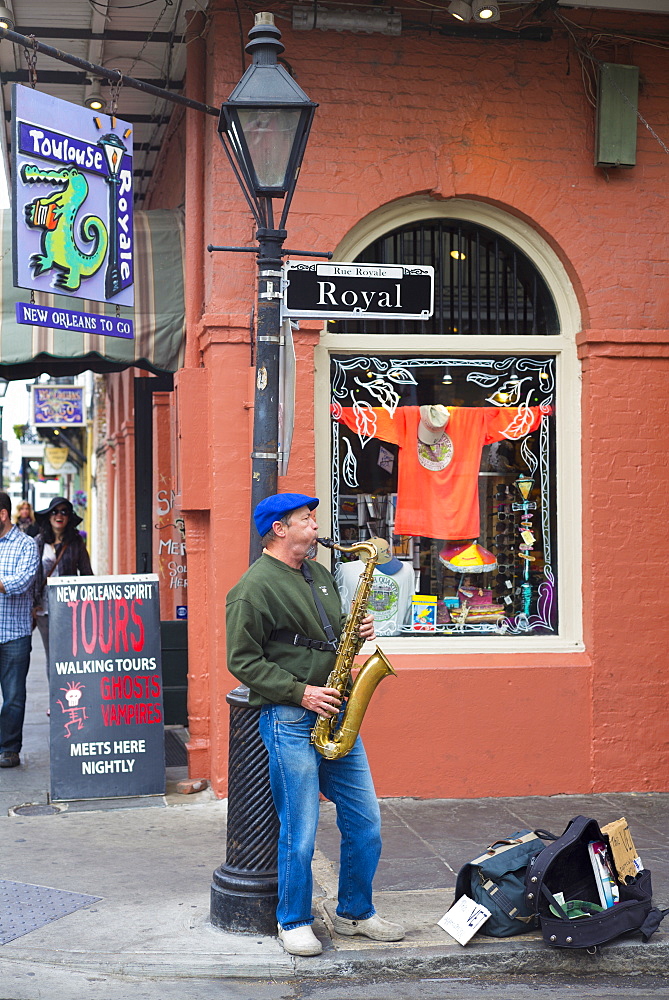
(496,880)
(565,867)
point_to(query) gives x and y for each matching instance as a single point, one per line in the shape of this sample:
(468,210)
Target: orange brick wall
(508,124)
(625,522)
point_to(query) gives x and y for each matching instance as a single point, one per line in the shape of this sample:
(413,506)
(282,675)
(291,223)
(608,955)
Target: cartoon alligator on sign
(56,215)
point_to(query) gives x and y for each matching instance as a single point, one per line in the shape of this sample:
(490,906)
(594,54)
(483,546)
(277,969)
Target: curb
(619,958)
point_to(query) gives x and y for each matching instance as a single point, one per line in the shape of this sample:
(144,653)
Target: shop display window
(451,460)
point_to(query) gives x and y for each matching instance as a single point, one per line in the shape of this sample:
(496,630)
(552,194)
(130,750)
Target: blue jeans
(297,774)
(14,663)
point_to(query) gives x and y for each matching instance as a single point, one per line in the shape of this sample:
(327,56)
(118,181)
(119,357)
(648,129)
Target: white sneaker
(300,941)
(375,927)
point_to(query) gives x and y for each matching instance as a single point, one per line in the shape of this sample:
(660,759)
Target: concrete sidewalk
(151,864)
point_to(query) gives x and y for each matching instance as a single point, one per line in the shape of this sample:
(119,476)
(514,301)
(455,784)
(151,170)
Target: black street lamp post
(263,126)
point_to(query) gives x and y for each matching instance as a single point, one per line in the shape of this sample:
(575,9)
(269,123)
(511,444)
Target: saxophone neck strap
(325,621)
(295,639)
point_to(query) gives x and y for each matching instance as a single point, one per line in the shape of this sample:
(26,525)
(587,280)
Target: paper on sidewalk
(464,919)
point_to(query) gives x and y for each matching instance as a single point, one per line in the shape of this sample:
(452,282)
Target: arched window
(483,283)
(469,510)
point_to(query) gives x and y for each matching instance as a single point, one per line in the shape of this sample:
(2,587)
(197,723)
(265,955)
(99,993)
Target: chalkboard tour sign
(106,692)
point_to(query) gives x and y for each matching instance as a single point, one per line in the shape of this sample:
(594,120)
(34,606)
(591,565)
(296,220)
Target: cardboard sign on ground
(624,852)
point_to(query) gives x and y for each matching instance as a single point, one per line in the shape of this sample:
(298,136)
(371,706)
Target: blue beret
(273,508)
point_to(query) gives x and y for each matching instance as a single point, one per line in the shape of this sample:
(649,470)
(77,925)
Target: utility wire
(589,61)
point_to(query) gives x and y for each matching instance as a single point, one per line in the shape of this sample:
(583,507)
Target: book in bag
(605,879)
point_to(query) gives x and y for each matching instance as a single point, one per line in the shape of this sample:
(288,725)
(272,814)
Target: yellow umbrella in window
(469,557)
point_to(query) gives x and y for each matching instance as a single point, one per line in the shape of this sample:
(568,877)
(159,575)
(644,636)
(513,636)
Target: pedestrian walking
(24,518)
(62,552)
(18,566)
(277,646)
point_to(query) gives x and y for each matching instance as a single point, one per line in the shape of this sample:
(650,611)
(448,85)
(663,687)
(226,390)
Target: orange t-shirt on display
(437,487)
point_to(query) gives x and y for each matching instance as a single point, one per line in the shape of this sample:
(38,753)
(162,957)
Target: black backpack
(565,866)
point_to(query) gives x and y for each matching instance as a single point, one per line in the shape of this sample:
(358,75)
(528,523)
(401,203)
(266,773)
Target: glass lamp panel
(270,134)
(237,143)
(113,155)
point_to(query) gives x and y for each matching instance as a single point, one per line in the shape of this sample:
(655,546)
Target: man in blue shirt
(18,566)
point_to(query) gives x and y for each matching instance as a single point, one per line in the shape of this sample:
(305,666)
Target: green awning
(158,315)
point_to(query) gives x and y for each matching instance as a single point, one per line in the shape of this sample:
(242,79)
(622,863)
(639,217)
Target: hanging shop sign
(106,691)
(58,406)
(55,461)
(31,314)
(357,291)
(71,207)
(56,457)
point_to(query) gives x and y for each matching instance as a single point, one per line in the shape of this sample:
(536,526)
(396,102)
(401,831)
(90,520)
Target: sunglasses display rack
(505,539)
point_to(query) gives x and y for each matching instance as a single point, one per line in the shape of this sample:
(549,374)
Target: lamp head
(94,99)
(113,148)
(485,10)
(460,9)
(7,17)
(267,117)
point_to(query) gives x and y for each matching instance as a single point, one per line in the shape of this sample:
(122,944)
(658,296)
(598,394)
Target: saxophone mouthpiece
(327,542)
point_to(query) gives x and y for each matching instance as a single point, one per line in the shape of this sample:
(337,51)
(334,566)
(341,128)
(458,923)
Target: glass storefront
(450,460)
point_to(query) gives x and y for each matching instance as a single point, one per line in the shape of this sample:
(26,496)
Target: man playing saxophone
(278,645)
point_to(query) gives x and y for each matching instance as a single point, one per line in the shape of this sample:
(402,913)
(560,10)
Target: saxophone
(332,742)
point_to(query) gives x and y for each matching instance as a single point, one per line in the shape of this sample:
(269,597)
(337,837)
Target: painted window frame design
(361,382)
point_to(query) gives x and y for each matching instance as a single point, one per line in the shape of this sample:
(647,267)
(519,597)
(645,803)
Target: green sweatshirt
(272,595)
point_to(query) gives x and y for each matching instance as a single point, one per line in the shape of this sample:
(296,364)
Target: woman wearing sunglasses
(62,553)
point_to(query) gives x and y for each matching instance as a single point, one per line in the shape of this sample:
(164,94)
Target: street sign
(357,291)
(106,693)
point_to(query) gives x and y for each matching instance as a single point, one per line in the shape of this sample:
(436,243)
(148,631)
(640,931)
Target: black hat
(43,515)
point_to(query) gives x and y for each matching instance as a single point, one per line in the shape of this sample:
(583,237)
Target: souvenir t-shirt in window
(437,487)
(389,598)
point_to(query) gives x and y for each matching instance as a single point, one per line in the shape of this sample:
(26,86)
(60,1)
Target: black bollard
(244,889)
